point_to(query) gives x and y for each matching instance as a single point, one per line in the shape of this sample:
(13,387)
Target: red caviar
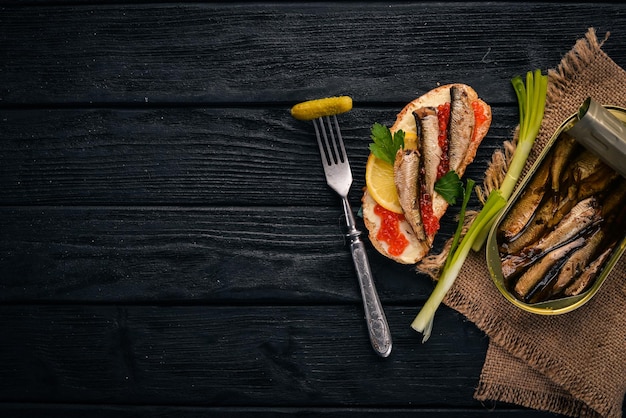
(443,116)
(389,231)
(430,221)
(480,117)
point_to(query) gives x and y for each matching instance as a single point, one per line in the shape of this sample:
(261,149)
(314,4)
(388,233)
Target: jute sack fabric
(572,364)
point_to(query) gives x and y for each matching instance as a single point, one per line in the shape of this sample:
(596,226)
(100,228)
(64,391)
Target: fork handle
(380,335)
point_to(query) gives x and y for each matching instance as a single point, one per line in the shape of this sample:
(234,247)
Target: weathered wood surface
(181,157)
(168,244)
(267,53)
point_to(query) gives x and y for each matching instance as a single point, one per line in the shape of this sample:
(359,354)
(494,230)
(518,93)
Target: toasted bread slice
(417,249)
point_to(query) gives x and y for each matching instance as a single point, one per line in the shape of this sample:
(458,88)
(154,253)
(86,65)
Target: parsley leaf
(385,146)
(450,187)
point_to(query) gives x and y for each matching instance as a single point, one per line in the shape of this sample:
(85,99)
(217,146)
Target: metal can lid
(602,133)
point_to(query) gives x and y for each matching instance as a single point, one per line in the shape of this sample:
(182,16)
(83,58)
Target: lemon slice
(380,184)
(314,109)
(410,140)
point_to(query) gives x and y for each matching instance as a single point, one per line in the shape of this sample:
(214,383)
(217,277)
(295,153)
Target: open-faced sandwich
(442,131)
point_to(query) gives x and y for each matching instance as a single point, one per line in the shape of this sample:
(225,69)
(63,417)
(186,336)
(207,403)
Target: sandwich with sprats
(442,131)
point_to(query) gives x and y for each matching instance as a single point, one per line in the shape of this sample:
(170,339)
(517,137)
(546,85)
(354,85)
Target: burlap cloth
(575,363)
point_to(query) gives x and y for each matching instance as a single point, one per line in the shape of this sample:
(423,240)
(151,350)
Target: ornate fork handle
(380,335)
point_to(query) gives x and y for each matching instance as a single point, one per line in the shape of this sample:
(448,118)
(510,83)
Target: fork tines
(327,140)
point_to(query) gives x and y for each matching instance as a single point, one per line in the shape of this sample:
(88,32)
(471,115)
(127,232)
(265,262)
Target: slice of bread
(416,249)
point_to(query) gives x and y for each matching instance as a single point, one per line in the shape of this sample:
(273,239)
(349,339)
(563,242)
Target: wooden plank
(188,156)
(224,255)
(209,53)
(254,356)
(158,411)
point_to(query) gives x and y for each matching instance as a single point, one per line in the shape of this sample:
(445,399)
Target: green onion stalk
(532,100)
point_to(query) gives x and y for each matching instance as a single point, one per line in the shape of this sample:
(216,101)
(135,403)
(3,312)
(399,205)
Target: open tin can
(507,265)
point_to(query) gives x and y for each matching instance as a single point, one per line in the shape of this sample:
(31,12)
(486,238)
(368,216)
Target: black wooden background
(168,244)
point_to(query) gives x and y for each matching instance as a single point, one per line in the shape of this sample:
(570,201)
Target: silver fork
(339,178)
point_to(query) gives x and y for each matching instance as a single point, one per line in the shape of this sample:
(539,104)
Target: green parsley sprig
(450,187)
(385,145)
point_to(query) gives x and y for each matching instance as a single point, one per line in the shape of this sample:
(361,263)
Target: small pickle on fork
(328,106)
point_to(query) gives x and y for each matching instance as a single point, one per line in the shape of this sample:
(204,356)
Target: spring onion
(532,102)
(531,99)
